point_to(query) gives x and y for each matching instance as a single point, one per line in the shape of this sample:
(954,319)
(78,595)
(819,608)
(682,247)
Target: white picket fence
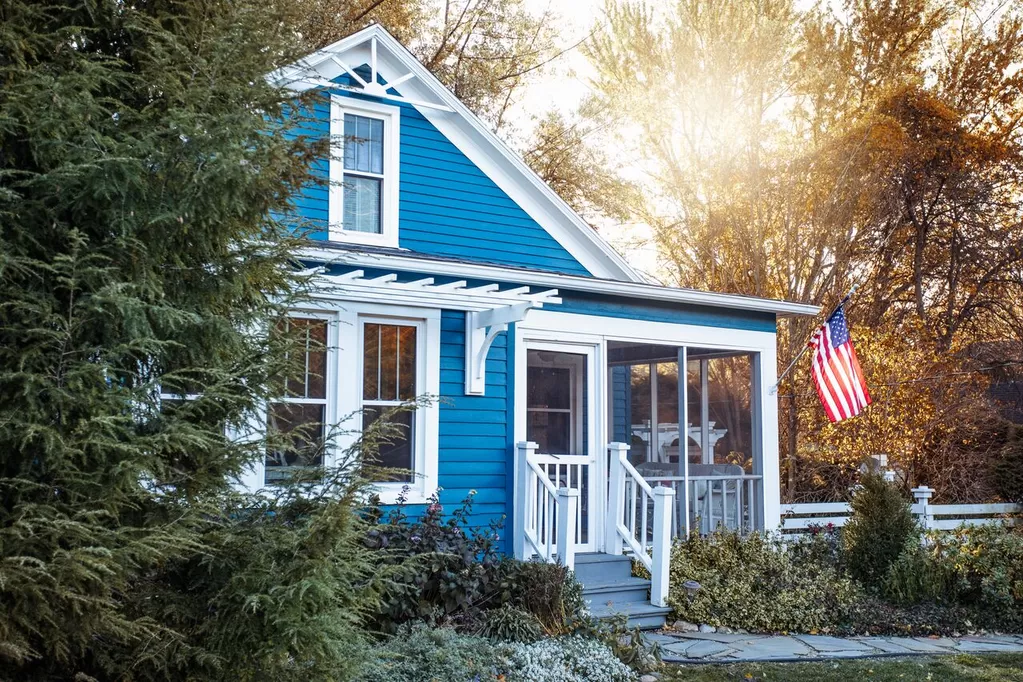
(798,519)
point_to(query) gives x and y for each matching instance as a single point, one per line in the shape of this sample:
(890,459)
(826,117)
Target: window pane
(364,144)
(551,431)
(406,363)
(396,454)
(667,442)
(389,362)
(639,393)
(694,412)
(302,426)
(730,418)
(549,387)
(361,204)
(307,358)
(371,362)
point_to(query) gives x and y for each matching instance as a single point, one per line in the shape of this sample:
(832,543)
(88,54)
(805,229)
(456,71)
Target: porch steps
(610,589)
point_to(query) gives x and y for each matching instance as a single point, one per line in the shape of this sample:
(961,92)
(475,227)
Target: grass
(961,668)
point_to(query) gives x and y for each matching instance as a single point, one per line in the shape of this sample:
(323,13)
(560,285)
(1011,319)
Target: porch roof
(409,261)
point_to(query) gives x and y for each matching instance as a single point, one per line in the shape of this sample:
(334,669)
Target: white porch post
(660,568)
(617,453)
(568,512)
(522,451)
(765,423)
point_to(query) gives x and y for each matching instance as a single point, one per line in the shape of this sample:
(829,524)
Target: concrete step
(618,591)
(645,616)
(597,567)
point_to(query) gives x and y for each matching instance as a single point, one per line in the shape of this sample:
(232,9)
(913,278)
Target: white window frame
(391,117)
(344,391)
(425,445)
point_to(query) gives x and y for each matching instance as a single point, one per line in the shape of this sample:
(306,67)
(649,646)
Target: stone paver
(973,647)
(823,643)
(699,647)
(705,648)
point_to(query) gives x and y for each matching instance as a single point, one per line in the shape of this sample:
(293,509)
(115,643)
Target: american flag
(836,371)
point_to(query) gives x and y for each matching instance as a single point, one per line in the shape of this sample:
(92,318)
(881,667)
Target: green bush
(880,528)
(549,592)
(509,624)
(980,568)
(753,582)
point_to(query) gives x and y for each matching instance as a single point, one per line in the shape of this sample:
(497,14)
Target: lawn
(1001,667)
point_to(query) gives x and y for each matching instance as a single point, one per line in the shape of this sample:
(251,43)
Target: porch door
(560,419)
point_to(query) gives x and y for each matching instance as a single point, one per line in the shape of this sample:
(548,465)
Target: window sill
(387,238)
(390,492)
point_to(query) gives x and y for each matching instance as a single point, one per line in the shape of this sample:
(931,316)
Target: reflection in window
(730,384)
(295,422)
(388,380)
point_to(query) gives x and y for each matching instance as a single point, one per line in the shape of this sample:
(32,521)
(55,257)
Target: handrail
(716,477)
(541,475)
(631,470)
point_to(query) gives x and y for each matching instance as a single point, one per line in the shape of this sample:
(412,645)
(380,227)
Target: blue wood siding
(474,430)
(447,205)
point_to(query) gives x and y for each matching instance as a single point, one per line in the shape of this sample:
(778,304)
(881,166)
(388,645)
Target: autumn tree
(794,153)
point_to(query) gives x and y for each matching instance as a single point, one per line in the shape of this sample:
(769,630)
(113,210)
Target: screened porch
(714,463)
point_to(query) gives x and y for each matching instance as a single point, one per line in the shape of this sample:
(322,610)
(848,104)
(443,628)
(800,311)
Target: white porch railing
(728,501)
(639,519)
(798,519)
(551,519)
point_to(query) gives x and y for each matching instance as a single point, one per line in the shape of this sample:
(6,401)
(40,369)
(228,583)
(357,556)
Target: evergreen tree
(143,159)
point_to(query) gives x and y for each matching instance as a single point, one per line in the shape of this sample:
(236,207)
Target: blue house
(596,413)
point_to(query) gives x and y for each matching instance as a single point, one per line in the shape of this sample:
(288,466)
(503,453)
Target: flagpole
(774,389)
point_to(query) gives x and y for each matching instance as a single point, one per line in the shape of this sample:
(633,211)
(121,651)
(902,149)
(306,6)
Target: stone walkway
(699,647)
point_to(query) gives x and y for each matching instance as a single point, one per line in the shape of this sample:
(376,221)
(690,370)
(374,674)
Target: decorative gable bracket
(480,331)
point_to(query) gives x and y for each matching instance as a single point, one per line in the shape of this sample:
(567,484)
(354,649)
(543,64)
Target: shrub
(978,567)
(753,582)
(566,659)
(509,624)
(880,527)
(421,653)
(440,571)
(549,592)
(627,644)
(442,574)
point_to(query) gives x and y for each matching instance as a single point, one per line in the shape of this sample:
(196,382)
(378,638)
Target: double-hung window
(363,172)
(390,353)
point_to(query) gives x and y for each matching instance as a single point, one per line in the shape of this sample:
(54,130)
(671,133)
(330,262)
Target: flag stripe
(836,370)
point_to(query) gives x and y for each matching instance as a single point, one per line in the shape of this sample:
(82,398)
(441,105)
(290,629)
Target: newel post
(660,568)
(617,453)
(923,496)
(568,509)
(523,450)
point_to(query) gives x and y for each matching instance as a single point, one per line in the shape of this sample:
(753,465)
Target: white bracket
(481,328)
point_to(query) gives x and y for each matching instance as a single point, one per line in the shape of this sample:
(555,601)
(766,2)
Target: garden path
(715,647)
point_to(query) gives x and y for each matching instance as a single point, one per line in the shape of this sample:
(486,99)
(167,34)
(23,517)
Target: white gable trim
(374,45)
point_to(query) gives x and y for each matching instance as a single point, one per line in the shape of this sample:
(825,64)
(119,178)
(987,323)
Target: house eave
(635,290)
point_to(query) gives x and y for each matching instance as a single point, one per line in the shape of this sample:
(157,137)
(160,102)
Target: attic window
(363,172)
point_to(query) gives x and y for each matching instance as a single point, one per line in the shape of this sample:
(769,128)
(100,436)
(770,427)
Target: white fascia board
(491,273)
(467,132)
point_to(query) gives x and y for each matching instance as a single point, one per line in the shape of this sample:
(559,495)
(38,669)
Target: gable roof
(397,66)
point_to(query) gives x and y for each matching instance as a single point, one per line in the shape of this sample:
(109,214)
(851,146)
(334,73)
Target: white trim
(453,119)
(391,118)
(651,292)
(352,317)
(554,326)
(344,390)
(595,367)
